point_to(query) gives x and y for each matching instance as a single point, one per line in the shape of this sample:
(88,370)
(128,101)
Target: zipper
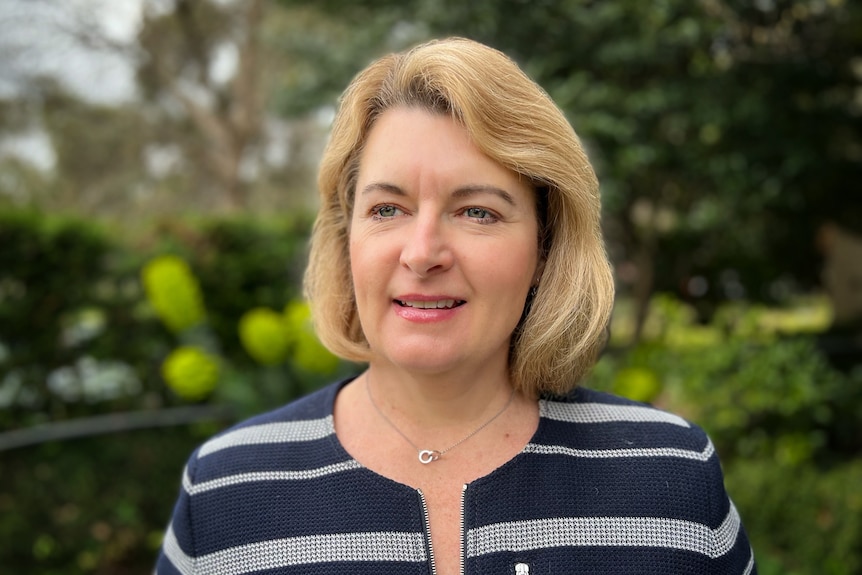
(428,531)
(463,530)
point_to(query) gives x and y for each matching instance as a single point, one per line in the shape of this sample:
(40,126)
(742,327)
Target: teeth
(440,304)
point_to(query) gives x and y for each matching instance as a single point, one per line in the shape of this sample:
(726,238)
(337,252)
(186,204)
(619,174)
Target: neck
(435,403)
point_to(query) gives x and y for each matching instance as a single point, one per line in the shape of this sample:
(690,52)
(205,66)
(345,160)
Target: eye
(384,211)
(481,214)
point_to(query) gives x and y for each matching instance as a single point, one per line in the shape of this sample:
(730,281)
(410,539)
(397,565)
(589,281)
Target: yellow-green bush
(174,293)
(191,372)
(308,352)
(272,338)
(264,336)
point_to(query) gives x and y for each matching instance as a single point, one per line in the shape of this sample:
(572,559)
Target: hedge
(107,385)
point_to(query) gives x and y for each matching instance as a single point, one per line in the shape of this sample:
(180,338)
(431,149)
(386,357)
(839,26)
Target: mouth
(434,304)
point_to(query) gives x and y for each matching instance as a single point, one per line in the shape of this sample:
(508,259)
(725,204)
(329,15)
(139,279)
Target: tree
(725,133)
(186,51)
(223,117)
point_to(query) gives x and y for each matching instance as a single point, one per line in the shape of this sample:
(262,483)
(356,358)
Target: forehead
(426,149)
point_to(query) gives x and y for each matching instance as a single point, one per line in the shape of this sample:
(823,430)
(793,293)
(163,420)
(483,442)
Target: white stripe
(704,455)
(285,432)
(605,413)
(750,567)
(725,536)
(305,474)
(171,548)
(279,553)
(605,532)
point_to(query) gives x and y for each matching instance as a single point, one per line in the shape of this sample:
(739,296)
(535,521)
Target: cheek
(356,267)
(519,264)
(366,270)
(355,263)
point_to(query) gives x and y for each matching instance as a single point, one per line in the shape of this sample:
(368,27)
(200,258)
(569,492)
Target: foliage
(200,131)
(242,264)
(753,377)
(98,164)
(698,115)
(191,372)
(725,134)
(783,419)
(309,352)
(94,505)
(284,347)
(77,336)
(173,292)
(55,303)
(79,339)
(802,519)
(263,335)
(269,337)
(320,54)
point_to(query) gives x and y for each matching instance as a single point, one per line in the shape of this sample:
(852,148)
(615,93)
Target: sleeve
(177,554)
(731,550)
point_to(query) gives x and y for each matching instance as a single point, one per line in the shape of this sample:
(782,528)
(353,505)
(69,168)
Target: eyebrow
(472,190)
(462,192)
(382,187)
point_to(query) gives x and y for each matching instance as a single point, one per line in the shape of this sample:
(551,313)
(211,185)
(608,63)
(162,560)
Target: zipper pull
(522,569)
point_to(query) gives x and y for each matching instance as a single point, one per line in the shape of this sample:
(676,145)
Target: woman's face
(443,246)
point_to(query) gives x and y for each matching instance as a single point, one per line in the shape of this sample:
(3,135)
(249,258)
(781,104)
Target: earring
(533,290)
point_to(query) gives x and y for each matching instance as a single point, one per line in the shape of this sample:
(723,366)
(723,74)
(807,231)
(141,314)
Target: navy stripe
(660,488)
(284,509)
(269,457)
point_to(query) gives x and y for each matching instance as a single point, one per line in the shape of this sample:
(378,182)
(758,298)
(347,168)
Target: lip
(427,308)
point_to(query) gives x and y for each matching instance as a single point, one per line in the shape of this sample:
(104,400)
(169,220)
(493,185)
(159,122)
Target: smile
(438,304)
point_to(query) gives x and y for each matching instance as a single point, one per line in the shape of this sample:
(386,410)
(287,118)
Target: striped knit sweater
(606,485)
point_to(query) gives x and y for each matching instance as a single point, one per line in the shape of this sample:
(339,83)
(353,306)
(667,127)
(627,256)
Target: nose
(427,248)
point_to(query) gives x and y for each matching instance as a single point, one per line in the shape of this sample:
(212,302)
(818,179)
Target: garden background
(157,163)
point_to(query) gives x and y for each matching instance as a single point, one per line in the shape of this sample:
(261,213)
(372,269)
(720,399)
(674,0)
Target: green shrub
(56,297)
(93,505)
(79,339)
(783,420)
(802,518)
(191,372)
(173,292)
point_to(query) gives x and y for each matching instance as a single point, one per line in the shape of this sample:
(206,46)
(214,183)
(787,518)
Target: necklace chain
(426,456)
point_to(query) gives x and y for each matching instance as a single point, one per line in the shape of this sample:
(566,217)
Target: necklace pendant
(426,456)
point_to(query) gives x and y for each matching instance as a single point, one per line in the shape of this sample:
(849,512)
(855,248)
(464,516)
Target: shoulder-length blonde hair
(514,122)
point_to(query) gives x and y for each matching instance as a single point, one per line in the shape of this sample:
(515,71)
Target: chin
(425,360)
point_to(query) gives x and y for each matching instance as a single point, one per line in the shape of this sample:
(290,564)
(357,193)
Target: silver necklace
(426,456)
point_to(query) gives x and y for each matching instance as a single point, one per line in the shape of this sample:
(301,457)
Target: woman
(458,252)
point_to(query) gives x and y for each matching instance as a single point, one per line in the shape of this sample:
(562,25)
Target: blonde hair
(514,122)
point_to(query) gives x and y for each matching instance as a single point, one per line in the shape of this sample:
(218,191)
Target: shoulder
(635,448)
(642,457)
(315,405)
(610,469)
(602,420)
(304,425)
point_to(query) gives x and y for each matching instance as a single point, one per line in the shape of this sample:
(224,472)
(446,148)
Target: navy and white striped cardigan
(605,486)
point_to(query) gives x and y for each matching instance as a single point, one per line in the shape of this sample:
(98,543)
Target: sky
(38,39)
(35,40)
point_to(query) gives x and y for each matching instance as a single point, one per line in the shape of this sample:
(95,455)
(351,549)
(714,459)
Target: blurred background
(157,165)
